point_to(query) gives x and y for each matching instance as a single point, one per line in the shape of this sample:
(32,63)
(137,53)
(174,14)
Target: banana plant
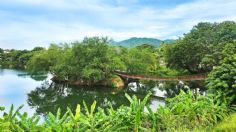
(88,121)
(153,118)
(137,107)
(57,122)
(9,121)
(29,123)
(184,112)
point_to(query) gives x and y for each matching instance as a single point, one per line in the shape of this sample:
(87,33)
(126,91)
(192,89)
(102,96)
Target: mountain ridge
(136,41)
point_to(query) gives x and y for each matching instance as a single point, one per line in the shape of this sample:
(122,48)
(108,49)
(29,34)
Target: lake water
(40,95)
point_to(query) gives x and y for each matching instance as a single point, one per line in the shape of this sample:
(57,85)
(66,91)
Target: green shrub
(185,112)
(227,125)
(223,79)
(190,111)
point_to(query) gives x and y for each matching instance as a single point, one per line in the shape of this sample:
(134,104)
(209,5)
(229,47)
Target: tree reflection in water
(36,77)
(141,88)
(51,96)
(170,88)
(173,88)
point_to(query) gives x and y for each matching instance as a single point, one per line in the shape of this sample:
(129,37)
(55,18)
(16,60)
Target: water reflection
(139,88)
(36,77)
(173,88)
(18,87)
(14,89)
(51,96)
(165,89)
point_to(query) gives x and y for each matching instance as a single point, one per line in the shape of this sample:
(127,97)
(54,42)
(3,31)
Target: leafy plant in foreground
(9,121)
(190,111)
(227,124)
(185,112)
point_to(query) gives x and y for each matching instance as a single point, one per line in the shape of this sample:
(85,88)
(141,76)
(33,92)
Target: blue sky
(25,24)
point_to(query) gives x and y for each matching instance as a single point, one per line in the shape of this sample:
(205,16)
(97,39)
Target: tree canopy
(223,79)
(201,49)
(95,60)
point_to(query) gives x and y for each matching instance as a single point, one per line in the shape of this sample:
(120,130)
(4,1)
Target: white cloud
(69,20)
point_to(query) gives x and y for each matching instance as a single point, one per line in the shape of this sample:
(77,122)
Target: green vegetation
(95,60)
(16,59)
(190,111)
(223,79)
(140,61)
(202,48)
(228,124)
(92,61)
(183,112)
(209,48)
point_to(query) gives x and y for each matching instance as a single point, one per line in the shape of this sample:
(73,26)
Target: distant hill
(132,42)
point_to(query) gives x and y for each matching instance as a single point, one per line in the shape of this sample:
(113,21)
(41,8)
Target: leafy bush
(190,111)
(123,119)
(185,112)
(228,125)
(201,49)
(223,79)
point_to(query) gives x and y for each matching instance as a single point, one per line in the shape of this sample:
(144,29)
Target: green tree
(95,60)
(140,61)
(17,58)
(229,49)
(26,56)
(1,50)
(146,46)
(1,55)
(44,60)
(65,69)
(12,59)
(201,49)
(223,79)
(37,49)
(90,61)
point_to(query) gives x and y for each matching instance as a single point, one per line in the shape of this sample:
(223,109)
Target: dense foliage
(223,79)
(207,48)
(140,61)
(184,112)
(190,111)
(16,58)
(201,49)
(228,124)
(91,61)
(95,60)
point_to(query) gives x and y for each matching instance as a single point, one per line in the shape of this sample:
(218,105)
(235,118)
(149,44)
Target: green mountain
(132,42)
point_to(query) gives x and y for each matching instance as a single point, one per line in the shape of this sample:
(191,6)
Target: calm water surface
(14,88)
(40,95)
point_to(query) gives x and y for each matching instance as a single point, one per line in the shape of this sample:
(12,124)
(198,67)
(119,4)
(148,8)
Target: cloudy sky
(28,23)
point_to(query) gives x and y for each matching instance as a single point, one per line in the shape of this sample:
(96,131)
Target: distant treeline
(16,59)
